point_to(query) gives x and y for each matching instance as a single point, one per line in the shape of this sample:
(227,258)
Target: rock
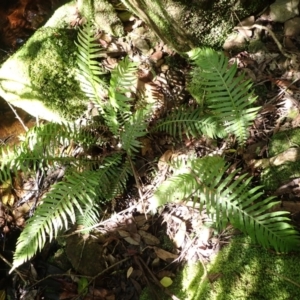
(292,27)
(104,15)
(283,10)
(86,256)
(235,41)
(40,76)
(183,25)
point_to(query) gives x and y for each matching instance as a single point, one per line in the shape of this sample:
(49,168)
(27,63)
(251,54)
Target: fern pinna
(229,198)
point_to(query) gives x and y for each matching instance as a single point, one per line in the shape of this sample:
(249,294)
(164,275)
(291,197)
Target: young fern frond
(228,96)
(228,198)
(90,74)
(58,207)
(123,80)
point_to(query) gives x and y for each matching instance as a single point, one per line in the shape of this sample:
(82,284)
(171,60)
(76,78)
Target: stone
(283,10)
(292,27)
(40,76)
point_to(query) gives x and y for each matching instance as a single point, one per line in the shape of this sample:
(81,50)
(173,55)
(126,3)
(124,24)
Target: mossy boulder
(186,24)
(241,270)
(103,14)
(40,77)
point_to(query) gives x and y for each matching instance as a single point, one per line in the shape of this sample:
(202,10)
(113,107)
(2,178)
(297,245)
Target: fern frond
(227,197)
(192,122)
(123,80)
(89,215)
(40,149)
(90,74)
(228,96)
(58,208)
(134,128)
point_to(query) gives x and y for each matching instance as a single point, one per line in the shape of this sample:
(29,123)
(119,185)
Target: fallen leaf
(164,160)
(131,238)
(165,255)
(129,272)
(148,238)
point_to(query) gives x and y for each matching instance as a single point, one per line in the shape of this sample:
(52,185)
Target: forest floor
(130,249)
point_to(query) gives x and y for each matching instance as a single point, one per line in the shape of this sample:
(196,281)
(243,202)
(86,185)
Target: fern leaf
(227,197)
(229,97)
(134,128)
(191,122)
(90,74)
(123,81)
(58,208)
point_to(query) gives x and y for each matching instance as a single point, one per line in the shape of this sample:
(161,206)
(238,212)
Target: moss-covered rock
(104,15)
(241,270)
(40,77)
(185,24)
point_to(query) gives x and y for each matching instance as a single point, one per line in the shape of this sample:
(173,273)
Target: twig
(107,269)
(17,116)
(280,47)
(136,179)
(15,270)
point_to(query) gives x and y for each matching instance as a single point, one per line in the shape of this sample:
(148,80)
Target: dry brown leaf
(129,272)
(131,238)
(165,273)
(147,145)
(148,238)
(165,255)
(136,286)
(141,220)
(164,160)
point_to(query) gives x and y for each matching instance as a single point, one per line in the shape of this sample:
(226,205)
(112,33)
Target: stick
(280,47)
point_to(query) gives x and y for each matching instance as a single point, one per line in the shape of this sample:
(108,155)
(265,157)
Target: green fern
(192,122)
(123,81)
(228,96)
(40,147)
(58,207)
(229,198)
(90,74)
(135,127)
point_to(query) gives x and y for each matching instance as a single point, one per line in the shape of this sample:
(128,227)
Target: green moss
(242,271)
(275,176)
(51,54)
(284,140)
(247,271)
(272,178)
(104,15)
